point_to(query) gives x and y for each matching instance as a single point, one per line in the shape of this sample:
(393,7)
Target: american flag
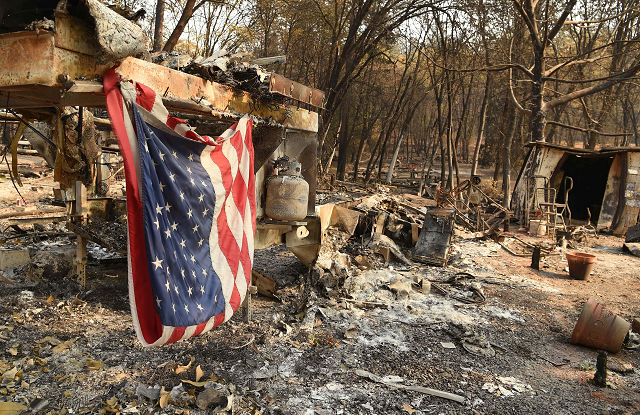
(191,216)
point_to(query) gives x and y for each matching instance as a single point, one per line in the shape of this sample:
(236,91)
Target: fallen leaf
(25,385)
(94,364)
(50,299)
(351,332)
(181,369)
(10,374)
(408,408)
(11,408)
(67,394)
(113,401)
(199,373)
(78,302)
(8,328)
(62,346)
(13,351)
(51,340)
(17,318)
(164,397)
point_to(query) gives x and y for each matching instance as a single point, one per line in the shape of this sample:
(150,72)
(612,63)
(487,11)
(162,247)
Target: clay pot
(599,328)
(580,264)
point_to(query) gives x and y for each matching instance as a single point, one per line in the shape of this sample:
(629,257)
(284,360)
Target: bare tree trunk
(392,165)
(449,157)
(330,160)
(356,163)
(496,171)
(483,118)
(371,162)
(421,182)
(449,134)
(506,161)
(634,122)
(344,140)
(187,12)
(454,156)
(322,169)
(157,33)
(485,97)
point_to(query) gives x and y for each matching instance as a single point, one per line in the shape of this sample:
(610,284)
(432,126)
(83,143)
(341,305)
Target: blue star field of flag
(178,207)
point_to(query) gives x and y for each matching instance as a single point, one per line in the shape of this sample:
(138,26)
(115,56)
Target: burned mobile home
(573,186)
(52,60)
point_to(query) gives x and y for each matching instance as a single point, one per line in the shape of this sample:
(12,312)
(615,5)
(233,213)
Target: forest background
(433,84)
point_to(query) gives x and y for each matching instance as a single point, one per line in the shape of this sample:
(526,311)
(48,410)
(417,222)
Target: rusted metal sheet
(26,59)
(280,85)
(435,238)
(22,73)
(76,65)
(611,197)
(631,188)
(37,59)
(181,86)
(306,246)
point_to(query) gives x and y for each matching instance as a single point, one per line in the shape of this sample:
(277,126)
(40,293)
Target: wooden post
(80,213)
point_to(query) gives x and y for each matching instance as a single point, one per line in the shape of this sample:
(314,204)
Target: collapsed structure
(57,63)
(601,187)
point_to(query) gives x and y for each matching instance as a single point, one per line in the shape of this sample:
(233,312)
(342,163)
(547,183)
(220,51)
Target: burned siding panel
(631,187)
(17,52)
(611,194)
(542,161)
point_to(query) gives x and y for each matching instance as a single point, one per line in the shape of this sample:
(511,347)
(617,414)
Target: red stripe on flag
(177,334)
(218,320)
(227,243)
(145,96)
(199,329)
(245,259)
(239,194)
(173,121)
(226,240)
(143,298)
(234,302)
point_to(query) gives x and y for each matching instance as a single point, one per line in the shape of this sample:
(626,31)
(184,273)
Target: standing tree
(159,23)
(545,22)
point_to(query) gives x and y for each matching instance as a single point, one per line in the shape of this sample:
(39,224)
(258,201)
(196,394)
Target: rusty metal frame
(280,85)
(66,55)
(41,71)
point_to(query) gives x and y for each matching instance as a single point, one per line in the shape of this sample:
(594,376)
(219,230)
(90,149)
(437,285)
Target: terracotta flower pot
(599,328)
(580,264)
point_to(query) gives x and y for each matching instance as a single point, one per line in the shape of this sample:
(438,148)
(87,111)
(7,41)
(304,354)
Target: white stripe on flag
(218,261)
